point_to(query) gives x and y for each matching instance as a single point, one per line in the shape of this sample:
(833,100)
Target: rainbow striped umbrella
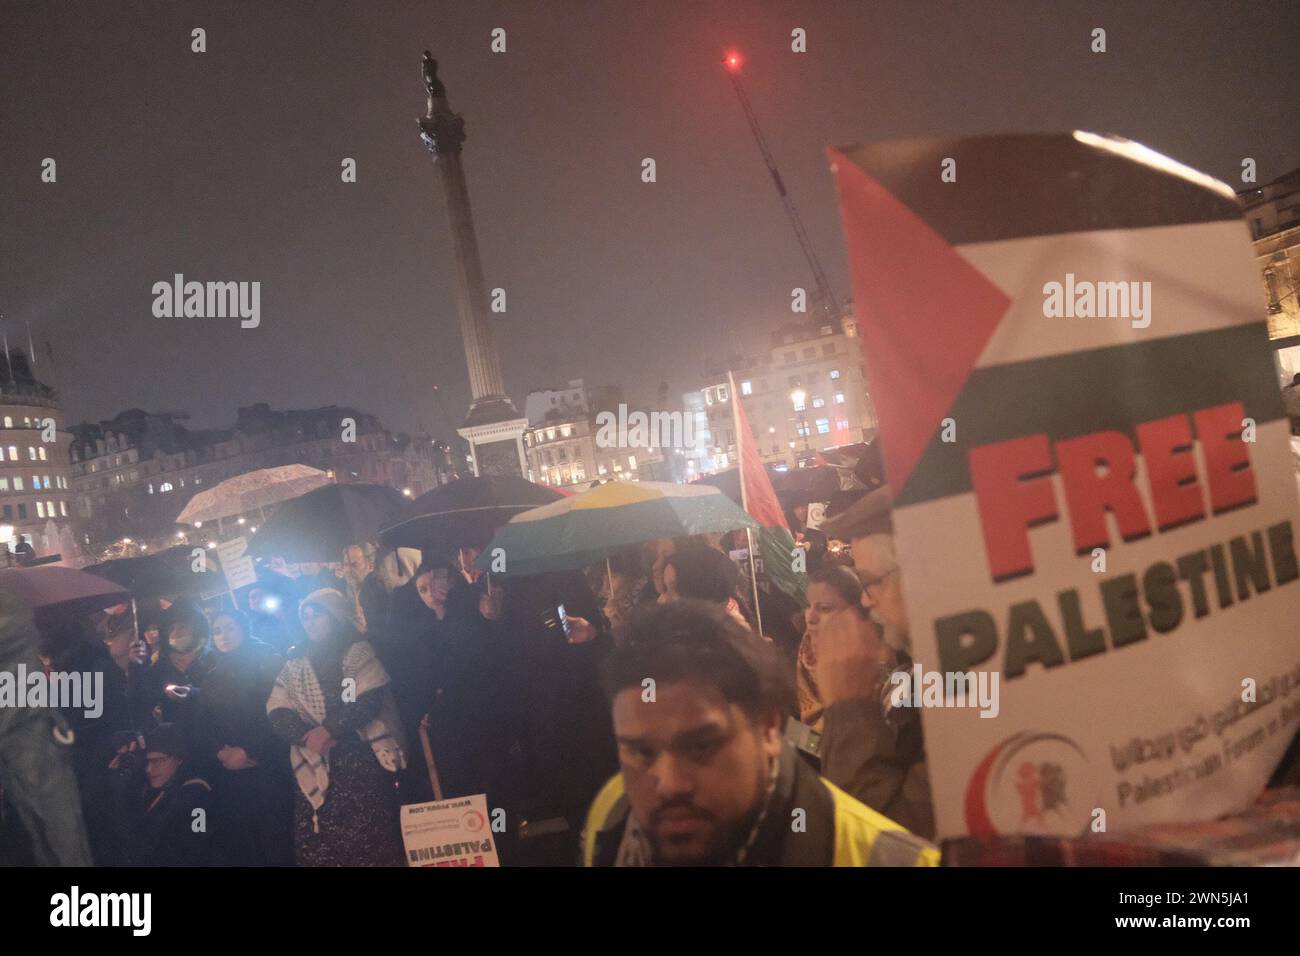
(578,531)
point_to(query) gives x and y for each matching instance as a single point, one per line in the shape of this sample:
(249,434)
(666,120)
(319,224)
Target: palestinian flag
(1094,492)
(775,543)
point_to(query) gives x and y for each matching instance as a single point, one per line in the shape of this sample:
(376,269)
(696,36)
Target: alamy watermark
(1098,300)
(922,688)
(64,690)
(208,300)
(638,429)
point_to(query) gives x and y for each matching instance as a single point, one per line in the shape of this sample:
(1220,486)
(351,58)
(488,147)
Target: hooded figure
(35,755)
(332,704)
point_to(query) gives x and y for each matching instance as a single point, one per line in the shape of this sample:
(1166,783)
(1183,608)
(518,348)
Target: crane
(830,304)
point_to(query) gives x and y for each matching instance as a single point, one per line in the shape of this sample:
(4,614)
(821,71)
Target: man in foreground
(698,705)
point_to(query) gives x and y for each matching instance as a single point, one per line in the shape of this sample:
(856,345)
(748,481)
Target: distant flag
(31,349)
(758,498)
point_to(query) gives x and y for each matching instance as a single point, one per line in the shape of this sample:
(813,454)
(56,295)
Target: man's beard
(891,634)
(726,840)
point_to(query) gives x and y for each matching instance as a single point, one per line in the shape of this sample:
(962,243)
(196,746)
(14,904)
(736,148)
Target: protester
(364,588)
(68,645)
(332,704)
(164,811)
(879,761)
(554,678)
(37,776)
(832,589)
(629,587)
(412,649)
(249,763)
(124,681)
(172,684)
(706,776)
(705,574)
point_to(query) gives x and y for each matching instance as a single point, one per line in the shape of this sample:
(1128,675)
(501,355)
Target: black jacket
(232,702)
(162,827)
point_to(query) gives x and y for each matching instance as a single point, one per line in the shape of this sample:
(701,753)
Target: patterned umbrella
(574,532)
(246,493)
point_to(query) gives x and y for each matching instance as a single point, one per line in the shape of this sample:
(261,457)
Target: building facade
(805,393)
(1273,214)
(35,478)
(565,445)
(133,475)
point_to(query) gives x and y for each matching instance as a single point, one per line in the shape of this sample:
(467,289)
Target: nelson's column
(493,427)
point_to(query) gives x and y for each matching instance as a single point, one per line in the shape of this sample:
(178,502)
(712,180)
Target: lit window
(823,426)
(708,396)
(63,508)
(31,453)
(835,373)
(18,483)
(839,398)
(819,402)
(4,484)
(799,406)
(49,506)
(550,434)
(631,462)
(165,487)
(40,510)
(151,487)
(41,452)
(9,422)
(746,388)
(565,431)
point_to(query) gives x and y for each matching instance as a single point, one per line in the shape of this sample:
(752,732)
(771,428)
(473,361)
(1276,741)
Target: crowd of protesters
(288,723)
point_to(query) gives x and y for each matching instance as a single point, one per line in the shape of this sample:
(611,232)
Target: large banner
(1094,494)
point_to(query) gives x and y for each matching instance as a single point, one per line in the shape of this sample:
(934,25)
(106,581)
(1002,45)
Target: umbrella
(317,526)
(464,511)
(52,585)
(251,492)
(574,532)
(164,574)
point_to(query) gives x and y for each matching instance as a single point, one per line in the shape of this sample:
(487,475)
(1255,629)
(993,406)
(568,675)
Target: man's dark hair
(699,640)
(704,573)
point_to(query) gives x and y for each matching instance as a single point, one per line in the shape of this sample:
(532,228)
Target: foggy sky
(225,166)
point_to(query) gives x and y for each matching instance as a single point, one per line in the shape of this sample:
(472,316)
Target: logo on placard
(473,821)
(1028,783)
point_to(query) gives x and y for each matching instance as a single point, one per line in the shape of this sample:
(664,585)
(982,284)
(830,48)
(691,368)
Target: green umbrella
(578,531)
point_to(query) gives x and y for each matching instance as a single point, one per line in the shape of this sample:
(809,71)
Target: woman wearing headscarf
(332,704)
(249,762)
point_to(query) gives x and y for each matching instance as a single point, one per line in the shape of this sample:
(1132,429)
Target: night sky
(225,165)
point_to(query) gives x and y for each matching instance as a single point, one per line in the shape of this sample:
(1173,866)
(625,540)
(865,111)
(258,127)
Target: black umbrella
(317,526)
(464,511)
(166,573)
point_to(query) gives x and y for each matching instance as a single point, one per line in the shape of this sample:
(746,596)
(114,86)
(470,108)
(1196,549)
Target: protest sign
(236,563)
(1094,494)
(453,832)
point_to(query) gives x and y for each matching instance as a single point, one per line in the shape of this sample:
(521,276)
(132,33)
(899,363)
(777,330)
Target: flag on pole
(757,496)
(31,349)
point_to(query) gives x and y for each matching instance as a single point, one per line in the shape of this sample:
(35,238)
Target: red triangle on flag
(926,314)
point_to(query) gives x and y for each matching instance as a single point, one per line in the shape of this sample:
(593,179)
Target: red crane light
(732,61)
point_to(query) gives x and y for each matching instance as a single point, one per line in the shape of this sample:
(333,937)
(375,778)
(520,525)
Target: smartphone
(564,619)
